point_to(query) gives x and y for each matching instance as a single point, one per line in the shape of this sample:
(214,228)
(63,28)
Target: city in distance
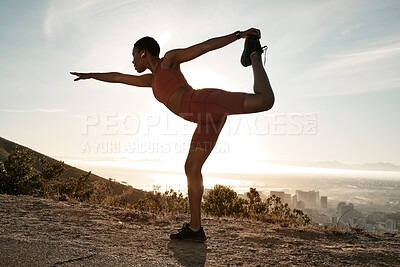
(370,199)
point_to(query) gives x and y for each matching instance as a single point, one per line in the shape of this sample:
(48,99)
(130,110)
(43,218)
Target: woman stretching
(208,108)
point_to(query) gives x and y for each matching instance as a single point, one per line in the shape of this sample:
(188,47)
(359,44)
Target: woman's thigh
(213,104)
(206,134)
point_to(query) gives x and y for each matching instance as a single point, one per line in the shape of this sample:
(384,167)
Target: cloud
(60,13)
(351,60)
(372,67)
(93,17)
(42,110)
(303,24)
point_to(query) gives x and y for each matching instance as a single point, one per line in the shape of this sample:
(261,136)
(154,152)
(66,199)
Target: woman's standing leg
(193,166)
(263,98)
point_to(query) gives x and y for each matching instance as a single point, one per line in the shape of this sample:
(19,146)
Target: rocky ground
(42,232)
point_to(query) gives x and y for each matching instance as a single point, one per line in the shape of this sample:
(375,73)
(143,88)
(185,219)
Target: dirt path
(40,232)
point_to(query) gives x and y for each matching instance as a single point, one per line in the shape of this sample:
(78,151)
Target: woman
(206,107)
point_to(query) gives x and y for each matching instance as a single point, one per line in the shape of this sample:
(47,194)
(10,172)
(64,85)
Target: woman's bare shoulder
(169,60)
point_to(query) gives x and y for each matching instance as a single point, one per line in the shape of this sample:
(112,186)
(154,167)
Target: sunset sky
(334,67)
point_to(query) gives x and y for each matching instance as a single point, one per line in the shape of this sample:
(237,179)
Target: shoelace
(264,49)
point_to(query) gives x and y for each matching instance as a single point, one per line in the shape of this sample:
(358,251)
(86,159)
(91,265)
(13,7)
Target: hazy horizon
(146,174)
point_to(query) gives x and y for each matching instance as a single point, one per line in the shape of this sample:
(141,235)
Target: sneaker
(186,233)
(252,44)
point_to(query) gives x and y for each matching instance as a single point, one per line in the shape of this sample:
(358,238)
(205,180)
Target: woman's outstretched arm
(116,77)
(177,56)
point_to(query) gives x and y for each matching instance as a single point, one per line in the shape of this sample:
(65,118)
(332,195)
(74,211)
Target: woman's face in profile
(138,61)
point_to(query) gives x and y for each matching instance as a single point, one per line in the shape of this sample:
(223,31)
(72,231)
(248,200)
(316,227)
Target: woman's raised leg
(263,98)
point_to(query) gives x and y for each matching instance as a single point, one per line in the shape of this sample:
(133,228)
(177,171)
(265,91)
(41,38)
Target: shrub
(175,203)
(223,201)
(18,176)
(122,200)
(102,191)
(169,202)
(240,208)
(107,192)
(69,188)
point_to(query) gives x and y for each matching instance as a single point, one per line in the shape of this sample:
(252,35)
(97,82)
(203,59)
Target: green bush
(102,193)
(256,205)
(175,203)
(122,200)
(18,176)
(69,188)
(169,202)
(223,201)
(240,208)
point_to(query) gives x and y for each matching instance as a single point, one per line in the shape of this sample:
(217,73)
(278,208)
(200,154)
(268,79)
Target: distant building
(287,198)
(324,202)
(345,212)
(361,223)
(378,216)
(294,199)
(309,198)
(390,224)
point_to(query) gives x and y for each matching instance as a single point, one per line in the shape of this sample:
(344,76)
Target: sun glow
(243,166)
(239,174)
(179,182)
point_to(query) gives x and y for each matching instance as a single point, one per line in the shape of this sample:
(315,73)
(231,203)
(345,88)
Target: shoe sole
(244,54)
(190,239)
(243,58)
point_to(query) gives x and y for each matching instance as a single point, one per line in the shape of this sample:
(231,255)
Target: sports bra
(165,82)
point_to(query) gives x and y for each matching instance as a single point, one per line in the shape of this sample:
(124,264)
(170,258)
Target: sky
(334,67)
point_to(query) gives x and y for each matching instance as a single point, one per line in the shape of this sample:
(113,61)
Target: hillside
(7,147)
(43,232)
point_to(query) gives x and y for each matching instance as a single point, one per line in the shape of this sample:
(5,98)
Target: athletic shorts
(209,108)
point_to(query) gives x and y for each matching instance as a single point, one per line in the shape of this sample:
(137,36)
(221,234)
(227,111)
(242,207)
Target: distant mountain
(381,166)
(7,147)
